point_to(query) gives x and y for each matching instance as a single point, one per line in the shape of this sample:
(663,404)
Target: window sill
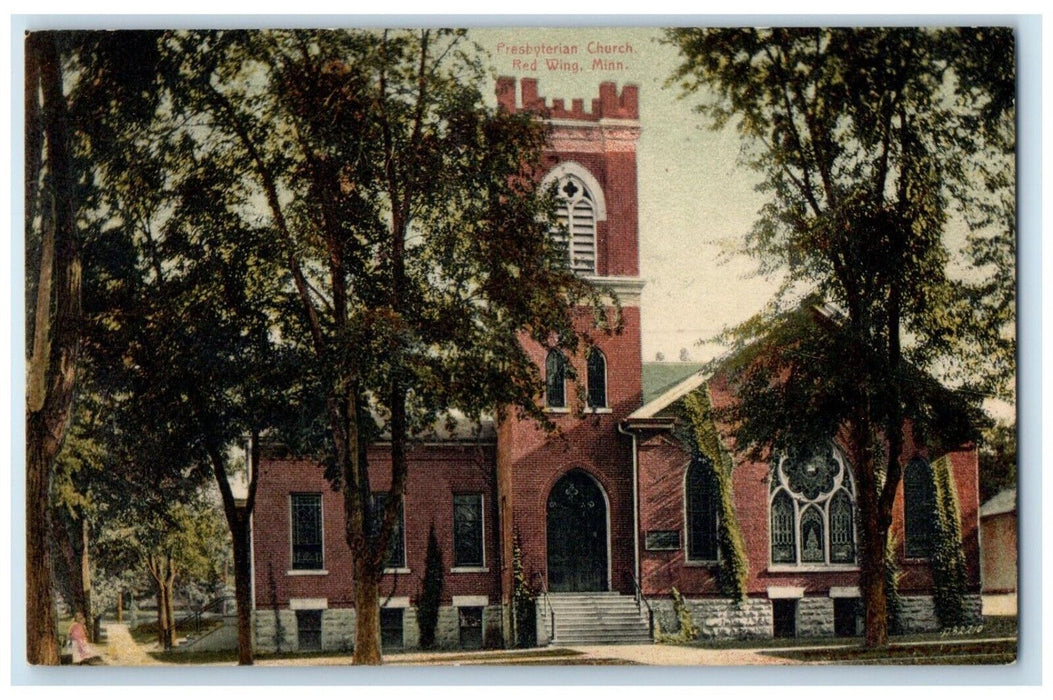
(307,572)
(811,568)
(556,409)
(701,564)
(398,570)
(598,409)
(470,570)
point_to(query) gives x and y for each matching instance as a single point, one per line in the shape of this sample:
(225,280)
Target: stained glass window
(783,529)
(842,529)
(813,543)
(468,529)
(919,504)
(307,531)
(812,509)
(597,376)
(702,499)
(555,380)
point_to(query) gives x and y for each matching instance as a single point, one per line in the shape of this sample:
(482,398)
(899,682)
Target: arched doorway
(577,534)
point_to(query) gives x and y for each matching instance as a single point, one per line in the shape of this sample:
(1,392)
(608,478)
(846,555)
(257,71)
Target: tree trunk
(162,616)
(51,366)
(367,612)
(120,606)
(170,631)
(873,539)
(41,633)
(243,590)
(84,575)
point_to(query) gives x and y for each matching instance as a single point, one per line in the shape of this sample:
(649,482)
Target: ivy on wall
(947,557)
(733,569)
(893,605)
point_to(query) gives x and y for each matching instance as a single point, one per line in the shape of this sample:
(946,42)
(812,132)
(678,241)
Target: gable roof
(1002,502)
(660,377)
(670,395)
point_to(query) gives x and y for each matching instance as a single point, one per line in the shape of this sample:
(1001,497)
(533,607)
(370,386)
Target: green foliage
(523,599)
(733,570)
(431,591)
(868,142)
(688,631)
(947,556)
(997,460)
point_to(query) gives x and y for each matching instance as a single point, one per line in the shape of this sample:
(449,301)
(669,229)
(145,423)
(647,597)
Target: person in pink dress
(78,637)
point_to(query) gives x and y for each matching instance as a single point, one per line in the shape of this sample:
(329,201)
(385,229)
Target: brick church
(611,514)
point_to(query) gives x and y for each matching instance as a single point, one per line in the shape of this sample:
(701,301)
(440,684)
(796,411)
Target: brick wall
(435,474)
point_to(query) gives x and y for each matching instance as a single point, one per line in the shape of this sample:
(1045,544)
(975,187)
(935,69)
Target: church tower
(570,497)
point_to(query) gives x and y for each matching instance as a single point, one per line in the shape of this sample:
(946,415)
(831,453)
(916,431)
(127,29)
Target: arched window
(783,529)
(702,497)
(596,365)
(576,214)
(555,380)
(919,506)
(842,529)
(813,543)
(812,509)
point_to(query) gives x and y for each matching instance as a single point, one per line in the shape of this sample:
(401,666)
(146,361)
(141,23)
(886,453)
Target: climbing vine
(893,604)
(523,597)
(688,629)
(733,569)
(947,558)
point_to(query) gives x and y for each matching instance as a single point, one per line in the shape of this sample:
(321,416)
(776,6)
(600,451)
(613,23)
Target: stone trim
(308,603)
(470,601)
(845,592)
(775,592)
(397,602)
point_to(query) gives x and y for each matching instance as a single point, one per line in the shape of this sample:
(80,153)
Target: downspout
(636,510)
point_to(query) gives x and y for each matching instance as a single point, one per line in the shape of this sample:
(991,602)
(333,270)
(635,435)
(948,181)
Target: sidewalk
(122,650)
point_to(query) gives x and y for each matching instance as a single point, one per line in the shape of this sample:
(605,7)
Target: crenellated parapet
(609,104)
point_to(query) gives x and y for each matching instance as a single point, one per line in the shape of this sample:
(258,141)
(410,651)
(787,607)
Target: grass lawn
(941,653)
(994,626)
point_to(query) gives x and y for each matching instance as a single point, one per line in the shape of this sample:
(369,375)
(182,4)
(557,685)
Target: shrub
(431,593)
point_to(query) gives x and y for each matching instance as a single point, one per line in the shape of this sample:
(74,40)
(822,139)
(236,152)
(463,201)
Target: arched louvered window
(555,380)
(596,366)
(919,508)
(842,529)
(813,509)
(576,215)
(702,497)
(783,529)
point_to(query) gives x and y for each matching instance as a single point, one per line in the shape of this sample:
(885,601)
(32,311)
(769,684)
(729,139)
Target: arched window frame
(842,485)
(596,378)
(701,498)
(556,381)
(592,193)
(919,509)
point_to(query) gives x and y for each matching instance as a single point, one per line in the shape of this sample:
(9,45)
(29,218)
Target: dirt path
(121,650)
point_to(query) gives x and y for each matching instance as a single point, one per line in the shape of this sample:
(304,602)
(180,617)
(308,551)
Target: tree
(997,460)
(412,229)
(431,593)
(864,140)
(78,89)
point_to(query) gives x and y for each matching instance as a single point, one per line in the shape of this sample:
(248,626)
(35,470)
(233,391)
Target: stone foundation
(918,613)
(815,617)
(719,618)
(276,632)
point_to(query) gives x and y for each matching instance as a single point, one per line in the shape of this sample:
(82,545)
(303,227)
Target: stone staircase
(598,618)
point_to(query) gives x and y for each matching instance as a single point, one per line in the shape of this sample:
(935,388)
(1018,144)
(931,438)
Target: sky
(696,200)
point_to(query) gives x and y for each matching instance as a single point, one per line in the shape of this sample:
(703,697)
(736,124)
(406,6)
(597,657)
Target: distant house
(614,504)
(998,541)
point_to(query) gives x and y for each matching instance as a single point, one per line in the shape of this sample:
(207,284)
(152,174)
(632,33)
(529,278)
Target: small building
(998,571)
